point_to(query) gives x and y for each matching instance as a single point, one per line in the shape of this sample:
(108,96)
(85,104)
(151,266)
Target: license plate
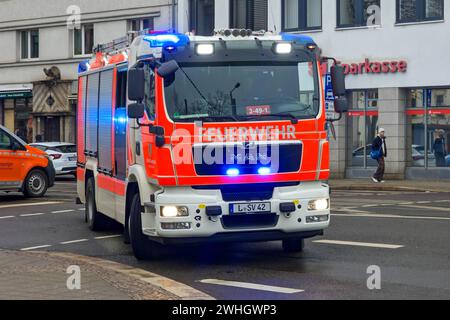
(242,208)
(72,158)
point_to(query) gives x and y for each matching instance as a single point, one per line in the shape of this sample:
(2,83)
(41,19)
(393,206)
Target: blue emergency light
(298,38)
(164,40)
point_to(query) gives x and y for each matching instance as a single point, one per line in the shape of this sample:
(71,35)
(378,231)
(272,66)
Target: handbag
(376,154)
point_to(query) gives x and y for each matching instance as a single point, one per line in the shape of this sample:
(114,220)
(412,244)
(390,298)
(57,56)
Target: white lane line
(63,211)
(108,237)
(29,204)
(74,241)
(82,209)
(390,216)
(427,208)
(32,214)
(35,248)
(6,217)
(251,286)
(423,202)
(360,244)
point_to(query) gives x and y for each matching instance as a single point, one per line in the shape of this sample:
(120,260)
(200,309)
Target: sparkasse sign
(375,67)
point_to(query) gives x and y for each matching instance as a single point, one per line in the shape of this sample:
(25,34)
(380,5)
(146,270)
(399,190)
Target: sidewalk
(43,276)
(393,185)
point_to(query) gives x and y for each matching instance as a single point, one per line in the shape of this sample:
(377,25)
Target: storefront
(15,109)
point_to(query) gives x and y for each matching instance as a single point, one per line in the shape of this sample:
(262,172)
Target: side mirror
(136,84)
(168,68)
(338,80)
(340,105)
(136,110)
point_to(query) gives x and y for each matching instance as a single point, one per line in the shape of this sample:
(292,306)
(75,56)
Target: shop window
(23,120)
(419,10)
(301,15)
(202,17)
(249,14)
(428,127)
(29,44)
(83,40)
(362,126)
(2,112)
(140,24)
(357,13)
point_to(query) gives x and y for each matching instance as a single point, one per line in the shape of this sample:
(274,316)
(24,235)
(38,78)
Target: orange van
(22,167)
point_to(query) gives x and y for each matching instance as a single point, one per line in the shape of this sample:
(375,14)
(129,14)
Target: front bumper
(199,227)
(50,171)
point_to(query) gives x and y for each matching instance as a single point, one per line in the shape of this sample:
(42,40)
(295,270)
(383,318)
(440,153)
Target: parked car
(22,167)
(63,155)
(418,157)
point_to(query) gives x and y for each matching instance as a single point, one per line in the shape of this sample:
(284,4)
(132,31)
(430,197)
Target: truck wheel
(143,247)
(95,220)
(36,184)
(293,245)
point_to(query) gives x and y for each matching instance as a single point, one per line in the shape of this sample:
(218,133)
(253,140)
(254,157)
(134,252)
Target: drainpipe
(173,15)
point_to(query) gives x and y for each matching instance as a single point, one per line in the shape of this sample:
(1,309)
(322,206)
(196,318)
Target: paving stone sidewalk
(43,276)
(390,185)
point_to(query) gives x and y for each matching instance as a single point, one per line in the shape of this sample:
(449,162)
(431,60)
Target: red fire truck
(185,139)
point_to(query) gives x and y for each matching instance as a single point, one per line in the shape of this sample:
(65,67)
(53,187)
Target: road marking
(82,209)
(34,248)
(6,217)
(63,211)
(74,241)
(391,216)
(251,286)
(108,237)
(29,204)
(32,214)
(428,208)
(360,244)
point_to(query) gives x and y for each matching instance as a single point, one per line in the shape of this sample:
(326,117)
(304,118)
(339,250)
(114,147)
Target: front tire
(36,184)
(293,245)
(143,247)
(95,220)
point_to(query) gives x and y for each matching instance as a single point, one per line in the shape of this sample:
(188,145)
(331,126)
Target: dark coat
(380,144)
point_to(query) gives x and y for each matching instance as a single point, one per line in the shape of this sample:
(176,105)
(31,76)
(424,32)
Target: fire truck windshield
(243,91)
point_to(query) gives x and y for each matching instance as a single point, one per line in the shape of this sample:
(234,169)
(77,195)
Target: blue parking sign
(329,96)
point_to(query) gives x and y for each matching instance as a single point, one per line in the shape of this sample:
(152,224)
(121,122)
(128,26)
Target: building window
(83,40)
(249,14)
(201,17)
(428,112)
(141,24)
(356,13)
(302,15)
(362,126)
(419,10)
(29,41)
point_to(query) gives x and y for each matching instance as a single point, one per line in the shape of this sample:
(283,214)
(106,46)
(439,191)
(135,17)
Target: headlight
(174,211)
(319,205)
(283,48)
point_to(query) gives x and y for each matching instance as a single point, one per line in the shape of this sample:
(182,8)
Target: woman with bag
(379,152)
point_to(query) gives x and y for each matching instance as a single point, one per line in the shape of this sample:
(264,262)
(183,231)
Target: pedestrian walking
(439,148)
(379,153)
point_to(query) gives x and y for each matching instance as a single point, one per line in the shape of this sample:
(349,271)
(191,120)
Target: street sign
(329,97)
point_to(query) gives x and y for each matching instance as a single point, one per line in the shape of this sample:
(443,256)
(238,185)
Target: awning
(13,91)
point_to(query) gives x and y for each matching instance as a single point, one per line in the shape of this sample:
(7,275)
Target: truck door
(11,162)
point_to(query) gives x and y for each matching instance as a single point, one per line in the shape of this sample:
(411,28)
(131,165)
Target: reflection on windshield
(242,92)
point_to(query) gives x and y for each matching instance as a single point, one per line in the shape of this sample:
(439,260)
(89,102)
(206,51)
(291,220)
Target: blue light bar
(264,171)
(163,40)
(83,66)
(233,172)
(298,38)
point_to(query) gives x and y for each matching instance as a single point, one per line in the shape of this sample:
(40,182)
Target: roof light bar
(166,40)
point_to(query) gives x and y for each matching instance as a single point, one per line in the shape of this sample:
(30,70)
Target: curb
(383,188)
(177,289)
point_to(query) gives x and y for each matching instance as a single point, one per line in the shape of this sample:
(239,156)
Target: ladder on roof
(120,43)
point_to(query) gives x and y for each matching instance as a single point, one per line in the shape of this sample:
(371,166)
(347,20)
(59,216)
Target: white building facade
(395,53)
(394,50)
(56,35)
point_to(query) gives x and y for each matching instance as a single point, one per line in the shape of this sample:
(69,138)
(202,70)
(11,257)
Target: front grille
(282,158)
(245,221)
(247,192)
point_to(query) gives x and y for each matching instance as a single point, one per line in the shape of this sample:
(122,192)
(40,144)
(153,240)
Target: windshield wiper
(212,118)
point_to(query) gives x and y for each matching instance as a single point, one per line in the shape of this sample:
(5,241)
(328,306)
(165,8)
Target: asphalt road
(405,234)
